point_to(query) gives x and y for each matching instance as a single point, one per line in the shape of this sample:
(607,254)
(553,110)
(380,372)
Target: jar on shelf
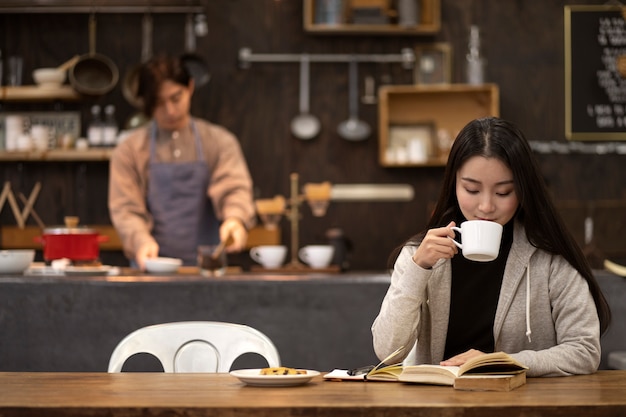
(475,62)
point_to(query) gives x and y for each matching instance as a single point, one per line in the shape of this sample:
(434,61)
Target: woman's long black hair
(492,137)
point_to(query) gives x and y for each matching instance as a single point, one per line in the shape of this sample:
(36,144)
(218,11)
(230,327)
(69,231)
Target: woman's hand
(436,244)
(461,358)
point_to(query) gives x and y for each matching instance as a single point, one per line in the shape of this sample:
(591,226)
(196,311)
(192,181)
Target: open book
(490,372)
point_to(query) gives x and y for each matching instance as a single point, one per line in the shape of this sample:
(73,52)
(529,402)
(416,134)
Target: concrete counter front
(317,321)
(58,323)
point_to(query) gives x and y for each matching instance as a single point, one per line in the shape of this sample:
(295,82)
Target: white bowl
(15,261)
(49,77)
(163,265)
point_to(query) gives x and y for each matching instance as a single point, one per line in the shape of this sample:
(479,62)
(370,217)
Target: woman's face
(173,103)
(485,190)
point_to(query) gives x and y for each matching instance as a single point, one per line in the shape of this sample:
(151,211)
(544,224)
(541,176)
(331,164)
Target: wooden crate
(443,108)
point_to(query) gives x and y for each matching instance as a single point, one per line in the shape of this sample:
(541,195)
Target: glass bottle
(110,128)
(95,130)
(475,62)
(408,13)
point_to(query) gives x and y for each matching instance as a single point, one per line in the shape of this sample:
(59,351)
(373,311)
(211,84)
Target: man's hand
(147,250)
(234,229)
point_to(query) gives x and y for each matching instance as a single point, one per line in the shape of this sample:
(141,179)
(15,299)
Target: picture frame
(433,64)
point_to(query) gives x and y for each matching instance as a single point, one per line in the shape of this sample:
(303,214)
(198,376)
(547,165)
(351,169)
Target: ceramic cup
(480,240)
(316,256)
(270,256)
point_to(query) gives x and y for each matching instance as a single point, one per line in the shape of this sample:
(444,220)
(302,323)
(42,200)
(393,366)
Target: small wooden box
(447,108)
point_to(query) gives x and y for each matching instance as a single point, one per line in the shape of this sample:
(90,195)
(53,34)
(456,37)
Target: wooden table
(154,394)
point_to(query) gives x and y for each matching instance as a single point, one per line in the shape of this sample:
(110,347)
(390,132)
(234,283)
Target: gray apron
(177,199)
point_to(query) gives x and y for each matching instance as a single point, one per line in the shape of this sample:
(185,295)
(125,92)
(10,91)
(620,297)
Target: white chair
(195,346)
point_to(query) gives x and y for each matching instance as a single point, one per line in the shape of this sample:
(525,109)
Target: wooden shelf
(351,29)
(94,154)
(436,113)
(35,93)
(429,23)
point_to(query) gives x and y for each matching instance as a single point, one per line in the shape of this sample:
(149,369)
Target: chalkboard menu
(595,91)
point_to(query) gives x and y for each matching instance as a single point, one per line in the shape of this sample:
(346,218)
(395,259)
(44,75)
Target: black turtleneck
(474,298)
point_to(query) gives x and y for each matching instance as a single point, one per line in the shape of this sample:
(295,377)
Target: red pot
(74,243)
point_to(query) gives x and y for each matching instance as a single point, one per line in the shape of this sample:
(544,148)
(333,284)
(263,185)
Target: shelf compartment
(429,23)
(444,108)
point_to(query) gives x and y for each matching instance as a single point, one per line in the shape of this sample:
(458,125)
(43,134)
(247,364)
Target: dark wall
(522,41)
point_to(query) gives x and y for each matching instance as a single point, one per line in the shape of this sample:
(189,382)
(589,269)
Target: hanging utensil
(305,125)
(195,64)
(130,86)
(370,91)
(93,74)
(353,129)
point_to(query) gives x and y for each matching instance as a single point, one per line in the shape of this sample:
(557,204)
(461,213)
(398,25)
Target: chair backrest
(195,346)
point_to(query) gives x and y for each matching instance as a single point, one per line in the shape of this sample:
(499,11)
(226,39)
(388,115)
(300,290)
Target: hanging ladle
(353,128)
(305,126)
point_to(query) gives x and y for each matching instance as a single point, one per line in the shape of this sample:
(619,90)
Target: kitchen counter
(317,320)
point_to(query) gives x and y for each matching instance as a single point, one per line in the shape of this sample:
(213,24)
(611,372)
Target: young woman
(538,301)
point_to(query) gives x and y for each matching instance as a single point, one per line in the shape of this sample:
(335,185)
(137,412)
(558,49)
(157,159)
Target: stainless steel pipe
(406,57)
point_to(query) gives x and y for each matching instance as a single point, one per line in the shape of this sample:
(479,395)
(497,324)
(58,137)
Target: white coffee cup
(480,240)
(316,256)
(270,256)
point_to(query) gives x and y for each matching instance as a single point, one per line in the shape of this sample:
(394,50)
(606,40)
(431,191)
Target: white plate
(254,377)
(162,265)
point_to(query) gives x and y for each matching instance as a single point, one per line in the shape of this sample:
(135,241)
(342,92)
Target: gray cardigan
(555,331)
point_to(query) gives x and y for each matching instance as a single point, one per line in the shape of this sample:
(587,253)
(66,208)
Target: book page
(429,374)
(390,373)
(492,363)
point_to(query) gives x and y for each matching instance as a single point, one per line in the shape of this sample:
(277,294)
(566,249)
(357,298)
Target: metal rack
(102,9)
(406,57)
